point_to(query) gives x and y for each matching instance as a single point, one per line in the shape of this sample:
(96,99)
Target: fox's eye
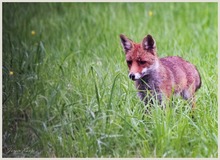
(129,62)
(142,62)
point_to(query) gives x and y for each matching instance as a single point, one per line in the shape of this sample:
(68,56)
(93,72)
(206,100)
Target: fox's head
(141,57)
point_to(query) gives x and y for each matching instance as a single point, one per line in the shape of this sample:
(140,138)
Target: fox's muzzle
(134,76)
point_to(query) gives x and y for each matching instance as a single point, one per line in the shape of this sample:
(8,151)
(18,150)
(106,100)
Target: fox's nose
(132,76)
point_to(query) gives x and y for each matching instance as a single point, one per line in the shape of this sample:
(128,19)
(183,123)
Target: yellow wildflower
(33,33)
(150,13)
(11,73)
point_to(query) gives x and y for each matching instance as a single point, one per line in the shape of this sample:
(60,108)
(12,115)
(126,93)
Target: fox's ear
(126,43)
(148,43)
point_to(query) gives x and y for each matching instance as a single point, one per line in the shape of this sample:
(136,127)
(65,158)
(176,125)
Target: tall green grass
(65,86)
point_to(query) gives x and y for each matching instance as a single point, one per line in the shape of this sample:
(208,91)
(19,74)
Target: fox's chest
(147,87)
(149,82)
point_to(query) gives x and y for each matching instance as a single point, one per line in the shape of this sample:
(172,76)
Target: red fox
(159,77)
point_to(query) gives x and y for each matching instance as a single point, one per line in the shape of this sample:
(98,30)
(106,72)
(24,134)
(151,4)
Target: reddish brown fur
(137,54)
(163,76)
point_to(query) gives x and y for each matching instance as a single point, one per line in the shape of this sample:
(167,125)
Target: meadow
(66,92)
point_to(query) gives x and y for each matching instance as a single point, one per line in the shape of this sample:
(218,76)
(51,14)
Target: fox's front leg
(150,97)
